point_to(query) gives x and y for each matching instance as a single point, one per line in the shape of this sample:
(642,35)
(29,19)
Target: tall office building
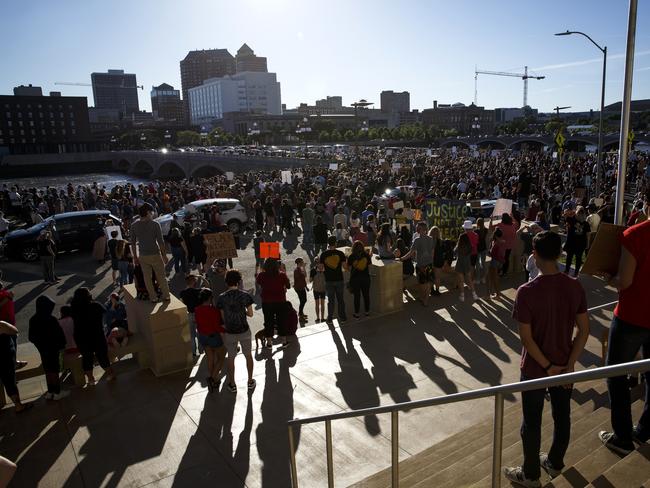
(247,61)
(395,101)
(166,104)
(251,92)
(116,89)
(202,65)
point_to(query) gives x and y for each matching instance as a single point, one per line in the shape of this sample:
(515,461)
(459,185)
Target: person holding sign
(422,249)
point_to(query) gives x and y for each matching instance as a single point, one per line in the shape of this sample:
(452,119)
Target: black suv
(72,230)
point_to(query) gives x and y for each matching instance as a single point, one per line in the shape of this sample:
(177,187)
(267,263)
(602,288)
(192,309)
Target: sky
(354,49)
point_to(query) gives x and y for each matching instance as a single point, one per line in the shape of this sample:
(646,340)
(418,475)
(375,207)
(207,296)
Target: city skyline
(354,51)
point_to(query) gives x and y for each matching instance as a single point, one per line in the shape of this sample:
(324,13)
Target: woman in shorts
(209,325)
(317,278)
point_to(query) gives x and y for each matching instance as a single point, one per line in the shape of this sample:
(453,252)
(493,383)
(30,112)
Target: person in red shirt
(8,314)
(547,309)
(468,227)
(209,326)
(629,333)
(274,285)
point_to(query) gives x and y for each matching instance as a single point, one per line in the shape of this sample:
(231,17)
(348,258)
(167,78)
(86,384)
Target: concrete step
(475,439)
(633,470)
(458,474)
(585,424)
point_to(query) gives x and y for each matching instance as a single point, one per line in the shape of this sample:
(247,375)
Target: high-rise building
(166,104)
(330,103)
(247,61)
(116,89)
(251,92)
(395,101)
(32,124)
(202,65)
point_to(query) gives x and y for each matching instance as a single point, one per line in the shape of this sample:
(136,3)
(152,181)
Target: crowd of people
(347,205)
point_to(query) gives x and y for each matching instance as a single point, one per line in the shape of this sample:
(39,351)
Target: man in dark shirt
(523,190)
(320,235)
(112,251)
(547,309)
(334,260)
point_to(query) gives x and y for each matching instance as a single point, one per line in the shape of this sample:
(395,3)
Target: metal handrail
(498,392)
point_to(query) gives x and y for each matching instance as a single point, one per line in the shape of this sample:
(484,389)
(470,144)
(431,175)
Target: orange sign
(270,250)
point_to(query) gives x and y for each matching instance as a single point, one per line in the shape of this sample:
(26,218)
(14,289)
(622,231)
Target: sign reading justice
(220,245)
(447,215)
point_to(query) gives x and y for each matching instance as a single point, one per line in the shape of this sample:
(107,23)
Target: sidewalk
(168,431)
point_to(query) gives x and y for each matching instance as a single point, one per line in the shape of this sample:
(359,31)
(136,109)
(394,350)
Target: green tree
(552,126)
(450,133)
(349,135)
(373,134)
(336,136)
(188,138)
(323,136)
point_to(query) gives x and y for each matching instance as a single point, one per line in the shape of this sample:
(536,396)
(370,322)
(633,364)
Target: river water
(109,180)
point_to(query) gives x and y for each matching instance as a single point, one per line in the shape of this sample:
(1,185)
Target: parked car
(233,213)
(73,231)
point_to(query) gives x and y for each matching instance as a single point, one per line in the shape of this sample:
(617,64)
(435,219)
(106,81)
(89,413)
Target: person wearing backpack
(236,305)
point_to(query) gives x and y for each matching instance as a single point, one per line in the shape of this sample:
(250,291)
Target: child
(67,325)
(498,255)
(317,277)
(256,245)
(300,285)
(46,334)
(209,325)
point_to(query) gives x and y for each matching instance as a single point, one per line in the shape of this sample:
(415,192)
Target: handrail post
(394,441)
(292,457)
(330,461)
(498,440)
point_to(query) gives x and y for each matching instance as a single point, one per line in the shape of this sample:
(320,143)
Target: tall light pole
(304,129)
(599,168)
(363,104)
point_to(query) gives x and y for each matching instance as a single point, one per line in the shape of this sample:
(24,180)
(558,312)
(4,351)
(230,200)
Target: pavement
(170,432)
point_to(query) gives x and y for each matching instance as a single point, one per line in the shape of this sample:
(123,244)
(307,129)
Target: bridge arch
(531,144)
(142,167)
(493,143)
(124,165)
(171,169)
(206,171)
(454,142)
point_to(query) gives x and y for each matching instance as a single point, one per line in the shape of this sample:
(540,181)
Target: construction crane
(524,76)
(557,110)
(68,83)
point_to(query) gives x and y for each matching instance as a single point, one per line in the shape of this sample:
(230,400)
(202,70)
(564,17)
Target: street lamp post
(599,168)
(363,104)
(304,129)
(168,138)
(476,126)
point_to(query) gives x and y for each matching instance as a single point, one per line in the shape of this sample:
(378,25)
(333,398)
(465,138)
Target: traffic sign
(560,139)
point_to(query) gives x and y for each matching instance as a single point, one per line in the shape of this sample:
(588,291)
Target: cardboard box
(605,251)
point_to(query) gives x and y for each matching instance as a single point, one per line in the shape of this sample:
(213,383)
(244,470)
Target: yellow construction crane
(524,76)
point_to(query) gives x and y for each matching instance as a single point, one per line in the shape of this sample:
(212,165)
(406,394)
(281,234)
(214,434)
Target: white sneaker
(61,395)
(474,295)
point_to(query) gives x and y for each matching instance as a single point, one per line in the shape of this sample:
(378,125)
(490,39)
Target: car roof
(208,201)
(81,213)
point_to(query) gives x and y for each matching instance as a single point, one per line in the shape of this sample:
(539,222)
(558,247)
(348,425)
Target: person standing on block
(334,260)
(547,310)
(149,252)
(629,333)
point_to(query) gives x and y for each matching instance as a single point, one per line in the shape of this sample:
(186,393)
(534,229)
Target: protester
(509,231)
(179,250)
(209,324)
(300,286)
(8,365)
(577,230)
(629,333)
(319,287)
(547,310)
(48,338)
(235,306)
(274,285)
(149,252)
(112,252)
(334,261)
(422,250)
(359,265)
(464,264)
(47,252)
(190,297)
(480,269)
(498,257)
(88,316)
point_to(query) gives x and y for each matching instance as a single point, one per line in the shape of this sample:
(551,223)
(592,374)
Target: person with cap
(149,252)
(216,276)
(468,227)
(464,264)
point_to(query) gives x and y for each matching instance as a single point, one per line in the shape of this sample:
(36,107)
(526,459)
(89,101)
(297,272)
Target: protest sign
(334,166)
(389,152)
(220,245)
(397,205)
(286,177)
(270,250)
(112,228)
(447,215)
(428,152)
(230,175)
(396,167)
(605,251)
(417,215)
(503,205)
(453,149)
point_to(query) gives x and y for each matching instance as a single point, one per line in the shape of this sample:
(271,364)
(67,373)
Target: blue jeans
(532,403)
(179,259)
(625,340)
(307,234)
(123,267)
(334,291)
(194,335)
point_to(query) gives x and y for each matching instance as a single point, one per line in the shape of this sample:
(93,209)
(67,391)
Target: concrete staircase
(465,459)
